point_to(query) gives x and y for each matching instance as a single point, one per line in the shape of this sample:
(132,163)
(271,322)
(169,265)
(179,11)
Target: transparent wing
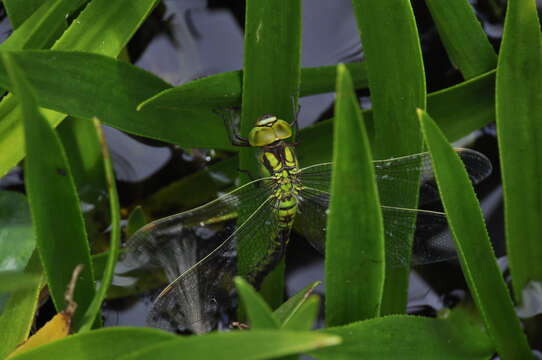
(196,250)
(395,177)
(432,241)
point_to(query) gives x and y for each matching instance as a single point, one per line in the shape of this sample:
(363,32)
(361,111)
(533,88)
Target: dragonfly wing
(197,252)
(431,243)
(396,177)
(311,218)
(432,239)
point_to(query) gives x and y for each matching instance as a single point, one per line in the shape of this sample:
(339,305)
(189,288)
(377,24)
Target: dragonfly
(197,249)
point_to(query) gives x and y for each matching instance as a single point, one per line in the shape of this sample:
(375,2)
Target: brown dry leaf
(56,328)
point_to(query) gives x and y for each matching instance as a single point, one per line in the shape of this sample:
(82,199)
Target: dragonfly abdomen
(275,253)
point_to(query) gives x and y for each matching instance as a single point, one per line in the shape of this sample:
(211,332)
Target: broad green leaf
(462,35)
(223,90)
(397,85)
(17,239)
(258,312)
(102,344)
(60,231)
(95,92)
(473,246)
(18,314)
(19,10)
(271,76)
(235,345)
(15,281)
(42,27)
(519,130)
(114,243)
(304,318)
(355,231)
(292,305)
(103,27)
(407,337)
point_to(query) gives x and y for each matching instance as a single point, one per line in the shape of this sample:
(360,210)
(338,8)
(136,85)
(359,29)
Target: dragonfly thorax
(280,164)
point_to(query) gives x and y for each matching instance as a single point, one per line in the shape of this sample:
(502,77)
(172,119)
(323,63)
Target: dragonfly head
(269,129)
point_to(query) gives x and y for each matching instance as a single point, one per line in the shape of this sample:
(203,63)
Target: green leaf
(17,239)
(109,343)
(42,27)
(18,315)
(57,218)
(100,76)
(246,345)
(407,337)
(114,244)
(224,90)
(292,305)
(259,313)
(473,246)
(272,52)
(305,317)
(519,130)
(397,85)
(193,190)
(354,262)
(462,35)
(103,27)
(136,220)
(19,10)
(82,147)
(14,281)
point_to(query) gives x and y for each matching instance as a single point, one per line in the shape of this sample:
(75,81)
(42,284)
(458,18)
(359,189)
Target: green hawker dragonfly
(197,248)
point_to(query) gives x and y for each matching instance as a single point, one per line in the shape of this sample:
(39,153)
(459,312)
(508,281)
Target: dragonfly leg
(231,122)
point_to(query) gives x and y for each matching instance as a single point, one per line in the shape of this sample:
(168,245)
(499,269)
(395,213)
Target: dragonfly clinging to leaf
(197,249)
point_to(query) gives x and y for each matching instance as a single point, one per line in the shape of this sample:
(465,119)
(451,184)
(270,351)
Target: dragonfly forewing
(196,250)
(431,239)
(397,176)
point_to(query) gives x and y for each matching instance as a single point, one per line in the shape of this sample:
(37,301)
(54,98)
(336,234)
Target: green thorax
(278,161)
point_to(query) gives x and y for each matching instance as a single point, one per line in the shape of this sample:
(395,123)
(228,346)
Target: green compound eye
(268,130)
(282,129)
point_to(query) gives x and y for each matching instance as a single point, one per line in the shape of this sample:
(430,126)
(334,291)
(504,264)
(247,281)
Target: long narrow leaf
(18,314)
(19,10)
(58,222)
(109,343)
(258,311)
(247,345)
(474,248)
(114,244)
(408,337)
(225,89)
(103,27)
(397,85)
(462,34)
(355,232)
(519,117)
(272,52)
